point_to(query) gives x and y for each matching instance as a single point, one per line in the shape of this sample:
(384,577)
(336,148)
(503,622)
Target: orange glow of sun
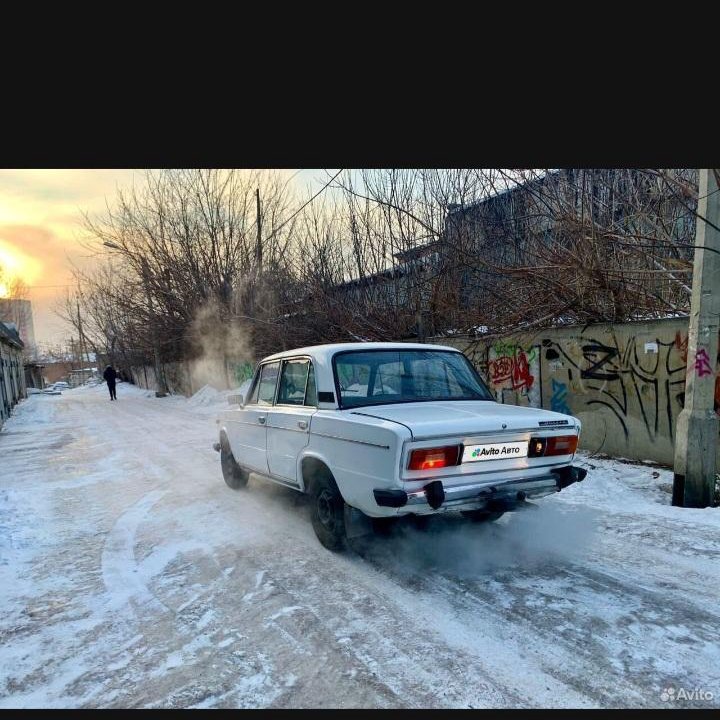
(16,265)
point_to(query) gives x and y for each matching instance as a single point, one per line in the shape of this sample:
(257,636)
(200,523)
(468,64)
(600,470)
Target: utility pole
(258,247)
(258,255)
(697,425)
(80,337)
(73,354)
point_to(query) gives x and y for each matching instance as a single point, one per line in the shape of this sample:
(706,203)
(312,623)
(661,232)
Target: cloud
(43,264)
(40,221)
(62,187)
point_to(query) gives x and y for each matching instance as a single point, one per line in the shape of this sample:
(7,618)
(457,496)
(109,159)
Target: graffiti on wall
(702,363)
(512,367)
(629,379)
(558,401)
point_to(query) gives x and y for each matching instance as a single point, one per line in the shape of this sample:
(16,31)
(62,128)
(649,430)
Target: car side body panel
(362,454)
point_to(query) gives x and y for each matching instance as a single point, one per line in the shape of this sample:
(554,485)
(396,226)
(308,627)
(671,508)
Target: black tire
(235,477)
(481,515)
(328,513)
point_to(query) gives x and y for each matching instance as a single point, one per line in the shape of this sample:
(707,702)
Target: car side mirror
(237,399)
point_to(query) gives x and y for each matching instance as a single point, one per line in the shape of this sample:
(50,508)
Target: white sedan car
(392,429)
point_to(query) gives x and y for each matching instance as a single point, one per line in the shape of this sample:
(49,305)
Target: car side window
(311,392)
(252,398)
(292,382)
(268,381)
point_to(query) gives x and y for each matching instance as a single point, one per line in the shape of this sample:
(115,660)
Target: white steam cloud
(223,347)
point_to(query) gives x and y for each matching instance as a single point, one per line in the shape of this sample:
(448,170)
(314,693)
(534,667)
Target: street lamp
(162,387)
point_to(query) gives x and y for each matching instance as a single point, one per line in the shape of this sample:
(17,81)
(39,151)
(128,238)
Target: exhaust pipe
(435,494)
(568,475)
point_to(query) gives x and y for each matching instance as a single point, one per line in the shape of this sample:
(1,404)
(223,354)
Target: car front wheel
(328,513)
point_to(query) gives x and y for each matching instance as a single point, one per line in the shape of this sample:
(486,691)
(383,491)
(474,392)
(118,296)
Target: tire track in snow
(530,610)
(120,572)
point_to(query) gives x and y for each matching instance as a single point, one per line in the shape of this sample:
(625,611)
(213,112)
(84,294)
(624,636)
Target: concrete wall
(186,378)
(177,377)
(625,382)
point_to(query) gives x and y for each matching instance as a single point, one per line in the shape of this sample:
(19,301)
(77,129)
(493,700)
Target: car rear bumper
(434,496)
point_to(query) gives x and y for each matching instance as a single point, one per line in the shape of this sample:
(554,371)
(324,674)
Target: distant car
(61,385)
(392,429)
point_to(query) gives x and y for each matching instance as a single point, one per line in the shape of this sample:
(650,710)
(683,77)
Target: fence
(186,378)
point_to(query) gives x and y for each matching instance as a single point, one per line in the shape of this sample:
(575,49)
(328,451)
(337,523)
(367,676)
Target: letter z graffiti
(599,356)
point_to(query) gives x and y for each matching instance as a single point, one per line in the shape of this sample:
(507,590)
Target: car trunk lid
(427,420)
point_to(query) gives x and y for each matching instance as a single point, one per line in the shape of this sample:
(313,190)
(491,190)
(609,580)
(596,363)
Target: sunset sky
(40,214)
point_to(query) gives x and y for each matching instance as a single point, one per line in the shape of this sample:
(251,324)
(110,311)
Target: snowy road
(130,575)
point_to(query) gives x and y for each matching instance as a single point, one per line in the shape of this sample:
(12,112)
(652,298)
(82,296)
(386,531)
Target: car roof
(325,352)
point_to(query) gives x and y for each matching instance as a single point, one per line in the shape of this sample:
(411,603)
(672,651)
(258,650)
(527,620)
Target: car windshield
(380,377)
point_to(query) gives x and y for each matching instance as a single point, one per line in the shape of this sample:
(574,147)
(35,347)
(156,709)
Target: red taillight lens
(429,458)
(561,445)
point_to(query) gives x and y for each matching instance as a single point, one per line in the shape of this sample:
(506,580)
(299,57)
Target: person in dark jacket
(110,376)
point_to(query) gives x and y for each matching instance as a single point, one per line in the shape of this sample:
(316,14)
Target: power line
(322,189)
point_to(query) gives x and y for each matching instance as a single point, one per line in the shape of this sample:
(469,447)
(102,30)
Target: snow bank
(633,488)
(206,395)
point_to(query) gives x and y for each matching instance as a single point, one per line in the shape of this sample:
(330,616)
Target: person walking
(110,377)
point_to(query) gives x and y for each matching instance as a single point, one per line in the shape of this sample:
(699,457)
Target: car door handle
(261,420)
(302,424)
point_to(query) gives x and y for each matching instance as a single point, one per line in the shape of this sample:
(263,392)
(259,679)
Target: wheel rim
(326,509)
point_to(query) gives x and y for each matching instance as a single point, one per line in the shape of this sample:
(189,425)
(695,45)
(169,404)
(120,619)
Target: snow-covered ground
(130,575)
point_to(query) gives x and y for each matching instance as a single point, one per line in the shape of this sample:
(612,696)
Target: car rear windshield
(381,377)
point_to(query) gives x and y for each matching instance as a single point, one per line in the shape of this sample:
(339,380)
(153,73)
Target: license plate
(495,451)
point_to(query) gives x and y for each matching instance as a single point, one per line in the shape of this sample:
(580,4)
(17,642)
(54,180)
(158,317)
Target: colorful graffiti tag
(702,363)
(512,364)
(558,401)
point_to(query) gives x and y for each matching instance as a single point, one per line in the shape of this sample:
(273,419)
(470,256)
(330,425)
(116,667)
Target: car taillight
(560,445)
(429,458)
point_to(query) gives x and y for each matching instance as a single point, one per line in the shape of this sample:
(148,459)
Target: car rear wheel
(481,515)
(235,477)
(328,513)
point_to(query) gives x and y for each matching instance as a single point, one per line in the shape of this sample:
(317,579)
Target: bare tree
(458,249)
(383,255)
(190,240)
